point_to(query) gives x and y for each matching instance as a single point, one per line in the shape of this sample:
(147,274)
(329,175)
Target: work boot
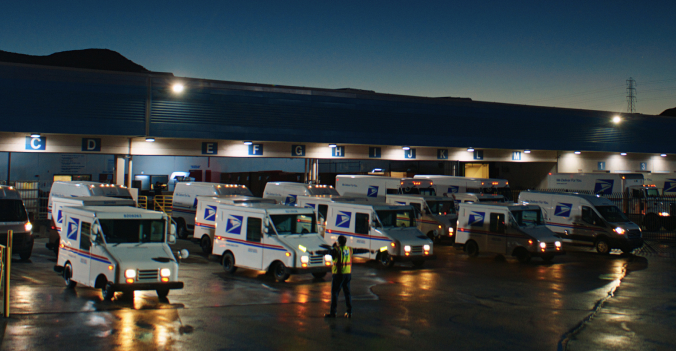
(329,315)
(348,314)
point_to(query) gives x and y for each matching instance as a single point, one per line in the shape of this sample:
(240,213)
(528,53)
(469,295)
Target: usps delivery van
(13,216)
(477,198)
(118,249)
(446,185)
(205,218)
(58,203)
(506,229)
(375,188)
(286,192)
(587,220)
(437,216)
(390,232)
(82,189)
(320,204)
(184,203)
(278,239)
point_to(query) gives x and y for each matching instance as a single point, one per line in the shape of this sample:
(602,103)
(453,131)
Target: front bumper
(316,269)
(414,258)
(627,244)
(148,286)
(21,242)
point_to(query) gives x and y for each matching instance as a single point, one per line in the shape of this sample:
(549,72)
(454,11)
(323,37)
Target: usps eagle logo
(563,210)
(604,186)
(210,213)
(476,219)
(73,225)
(343,219)
(372,191)
(234,225)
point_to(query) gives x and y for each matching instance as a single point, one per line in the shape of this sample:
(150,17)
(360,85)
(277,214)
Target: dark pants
(341,281)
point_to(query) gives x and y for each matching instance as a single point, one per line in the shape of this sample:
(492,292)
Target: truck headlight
(304,259)
(165,272)
(450,231)
(327,260)
(426,247)
(130,273)
(664,214)
(407,248)
(619,230)
(28,226)
(557,243)
(543,245)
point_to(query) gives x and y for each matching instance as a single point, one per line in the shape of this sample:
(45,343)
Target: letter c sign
(36,143)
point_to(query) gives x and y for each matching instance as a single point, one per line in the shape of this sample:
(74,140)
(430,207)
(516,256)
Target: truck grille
(148,274)
(316,259)
(416,249)
(551,246)
(634,233)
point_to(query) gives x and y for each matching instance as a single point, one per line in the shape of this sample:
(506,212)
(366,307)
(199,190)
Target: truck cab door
(81,269)
(497,238)
(255,255)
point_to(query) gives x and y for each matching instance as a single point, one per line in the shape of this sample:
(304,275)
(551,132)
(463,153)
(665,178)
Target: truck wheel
(107,292)
(279,272)
(602,246)
(182,230)
(418,263)
(652,222)
(67,275)
(229,263)
(385,259)
(205,243)
(319,275)
(25,255)
(523,255)
(472,248)
(162,293)
(669,224)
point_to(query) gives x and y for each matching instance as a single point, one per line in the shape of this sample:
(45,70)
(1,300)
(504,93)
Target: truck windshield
(323,191)
(12,210)
(400,218)
(495,199)
(441,208)
(129,231)
(296,223)
(612,214)
(235,190)
(528,218)
(652,192)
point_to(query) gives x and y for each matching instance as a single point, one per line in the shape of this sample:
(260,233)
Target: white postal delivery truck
(473,198)
(278,239)
(586,220)
(184,205)
(320,204)
(59,202)
(506,229)
(118,249)
(286,192)
(437,215)
(83,189)
(13,216)
(375,188)
(205,218)
(389,232)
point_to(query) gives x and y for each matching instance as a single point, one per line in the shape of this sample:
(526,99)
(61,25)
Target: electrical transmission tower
(631,95)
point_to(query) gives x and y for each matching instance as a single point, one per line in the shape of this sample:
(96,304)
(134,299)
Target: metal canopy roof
(79,101)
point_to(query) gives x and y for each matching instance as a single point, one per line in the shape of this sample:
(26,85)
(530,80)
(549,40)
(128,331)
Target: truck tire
(385,259)
(205,244)
(522,255)
(669,224)
(319,275)
(472,249)
(652,222)
(602,246)
(67,275)
(107,291)
(182,231)
(25,255)
(229,263)
(279,272)
(162,293)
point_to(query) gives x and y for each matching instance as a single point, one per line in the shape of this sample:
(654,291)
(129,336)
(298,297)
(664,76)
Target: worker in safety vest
(342,274)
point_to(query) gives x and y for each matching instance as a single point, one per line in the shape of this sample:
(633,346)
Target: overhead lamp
(617,119)
(406,148)
(150,140)
(177,88)
(663,155)
(35,135)
(248,142)
(470,149)
(526,151)
(623,154)
(377,170)
(332,145)
(578,152)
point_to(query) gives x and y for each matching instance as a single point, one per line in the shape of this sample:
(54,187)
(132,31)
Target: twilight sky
(575,54)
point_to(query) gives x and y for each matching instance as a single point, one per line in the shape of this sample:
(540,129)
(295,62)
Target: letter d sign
(91,144)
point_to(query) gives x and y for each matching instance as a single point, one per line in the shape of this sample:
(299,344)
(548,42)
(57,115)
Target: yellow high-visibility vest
(345,261)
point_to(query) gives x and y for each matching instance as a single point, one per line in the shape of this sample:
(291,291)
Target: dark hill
(100,59)
(669,112)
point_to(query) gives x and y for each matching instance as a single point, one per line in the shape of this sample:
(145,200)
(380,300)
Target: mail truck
(320,204)
(375,188)
(287,192)
(506,229)
(437,216)
(118,249)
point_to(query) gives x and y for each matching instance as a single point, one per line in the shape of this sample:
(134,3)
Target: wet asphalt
(580,301)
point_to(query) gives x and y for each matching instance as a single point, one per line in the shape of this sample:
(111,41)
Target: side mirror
(31,217)
(172,239)
(266,223)
(94,238)
(265,229)
(172,229)
(183,254)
